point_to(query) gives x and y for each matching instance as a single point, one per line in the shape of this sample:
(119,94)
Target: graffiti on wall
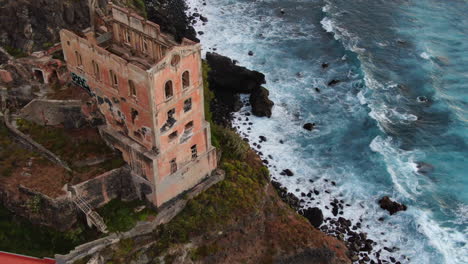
(80,81)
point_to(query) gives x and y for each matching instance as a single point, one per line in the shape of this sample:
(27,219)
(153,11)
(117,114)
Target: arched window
(168,89)
(132,88)
(185,80)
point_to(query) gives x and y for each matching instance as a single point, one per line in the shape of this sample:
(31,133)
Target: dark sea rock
(391,206)
(309,126)
(424,168)
(287,172)
(227,77)
(261,104)
(314,215)
(228,80)
(333,82)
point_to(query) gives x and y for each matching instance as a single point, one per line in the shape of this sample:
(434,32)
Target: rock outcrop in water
(228,80)
(391,206)
(261,104)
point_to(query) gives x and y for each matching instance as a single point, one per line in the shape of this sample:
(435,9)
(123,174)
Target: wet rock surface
(228,80)
(261,104)
(314,215)
(391,206)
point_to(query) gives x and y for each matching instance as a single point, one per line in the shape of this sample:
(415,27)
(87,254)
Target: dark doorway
(38,75)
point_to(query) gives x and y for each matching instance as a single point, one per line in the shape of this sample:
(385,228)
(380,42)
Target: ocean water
(402,100)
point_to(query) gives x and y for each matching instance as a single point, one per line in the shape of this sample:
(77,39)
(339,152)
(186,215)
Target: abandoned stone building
(149,88)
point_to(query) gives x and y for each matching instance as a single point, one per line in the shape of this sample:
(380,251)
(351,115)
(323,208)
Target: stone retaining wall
(29,143)
(54,112)
(117,183)
(40,209)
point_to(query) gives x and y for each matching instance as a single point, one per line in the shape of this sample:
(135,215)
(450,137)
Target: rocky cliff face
(31,25)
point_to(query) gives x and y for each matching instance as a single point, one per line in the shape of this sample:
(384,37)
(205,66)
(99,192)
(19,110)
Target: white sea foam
(425,55)
(233,38)
(327,24)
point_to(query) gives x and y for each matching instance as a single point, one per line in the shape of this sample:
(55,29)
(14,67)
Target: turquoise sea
(396,124)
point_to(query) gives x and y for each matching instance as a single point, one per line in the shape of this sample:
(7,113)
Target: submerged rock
(424,168)
(333,82)
(391,206)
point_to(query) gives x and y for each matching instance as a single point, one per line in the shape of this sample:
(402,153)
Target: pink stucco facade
(150,90)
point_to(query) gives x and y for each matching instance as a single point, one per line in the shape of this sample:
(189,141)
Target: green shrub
(120,216)
(17,53)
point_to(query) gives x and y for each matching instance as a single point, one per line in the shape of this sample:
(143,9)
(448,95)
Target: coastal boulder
(314,215)
(261,104)
(226,77)
(309,126)
(287,172)
(391,206)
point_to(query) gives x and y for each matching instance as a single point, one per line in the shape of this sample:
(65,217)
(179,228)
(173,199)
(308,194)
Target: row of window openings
(171,113)
(187,131)
(168,87)
(127,38)
(173,162)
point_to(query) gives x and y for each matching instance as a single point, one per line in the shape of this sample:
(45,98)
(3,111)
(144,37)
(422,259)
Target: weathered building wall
(117,183)
(159,127)
(54,112)
(180,60)
(115,101)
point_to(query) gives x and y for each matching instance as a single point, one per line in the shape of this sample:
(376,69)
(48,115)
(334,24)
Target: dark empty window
(168,90)
(173,136)
(97,73)
(189,127)
(185,79)
(171,114)
(114,79)
(173,166)
(194,151)
(187,105)
(132,88)
(79,60)
(134,115)
(145,45)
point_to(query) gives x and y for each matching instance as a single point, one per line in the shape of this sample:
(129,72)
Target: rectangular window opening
(173,166)
(188,105)
(194,151)
(173,136)
(114,79)
(132,87)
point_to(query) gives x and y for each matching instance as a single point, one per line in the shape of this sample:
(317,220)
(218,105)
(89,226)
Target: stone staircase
(92,216)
